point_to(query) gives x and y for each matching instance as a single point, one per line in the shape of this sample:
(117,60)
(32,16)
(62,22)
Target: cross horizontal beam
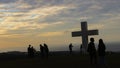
(89,32)
(93,32)
(76,33)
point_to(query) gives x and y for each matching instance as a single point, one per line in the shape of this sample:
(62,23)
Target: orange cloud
(50,34)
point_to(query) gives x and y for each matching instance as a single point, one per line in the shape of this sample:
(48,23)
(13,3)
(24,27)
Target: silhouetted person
(33,52)
(29,50)
(46,50)
(92,51)
(41,51)
(70,48)
(81,48)
(101,52)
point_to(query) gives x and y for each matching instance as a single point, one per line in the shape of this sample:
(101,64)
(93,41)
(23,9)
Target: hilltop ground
(60,61)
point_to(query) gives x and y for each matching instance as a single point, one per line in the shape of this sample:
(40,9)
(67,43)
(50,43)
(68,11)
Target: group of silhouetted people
(31,51)
(93,52)
(44,51)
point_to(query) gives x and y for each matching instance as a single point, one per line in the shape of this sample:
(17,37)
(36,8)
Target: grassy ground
(64,61)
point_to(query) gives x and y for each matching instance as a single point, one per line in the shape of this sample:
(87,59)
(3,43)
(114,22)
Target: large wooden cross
(84,33)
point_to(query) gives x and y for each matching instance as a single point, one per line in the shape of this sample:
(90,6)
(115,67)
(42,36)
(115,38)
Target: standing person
(81,48)
(33,52)
(70,48)
(29,50)
(41,51)
(46,50)
(92,51)
(101,52)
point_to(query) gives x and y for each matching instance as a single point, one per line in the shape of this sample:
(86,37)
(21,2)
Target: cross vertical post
(84,34)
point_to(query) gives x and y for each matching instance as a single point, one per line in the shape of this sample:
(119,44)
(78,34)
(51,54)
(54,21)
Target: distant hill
(12,55)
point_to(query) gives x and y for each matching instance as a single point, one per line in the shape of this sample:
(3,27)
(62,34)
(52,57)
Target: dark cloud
(7,1)
(75,9)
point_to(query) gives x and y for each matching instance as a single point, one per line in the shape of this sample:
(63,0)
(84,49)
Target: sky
(24,22)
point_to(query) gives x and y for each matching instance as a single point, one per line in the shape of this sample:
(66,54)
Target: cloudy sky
(24,22)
